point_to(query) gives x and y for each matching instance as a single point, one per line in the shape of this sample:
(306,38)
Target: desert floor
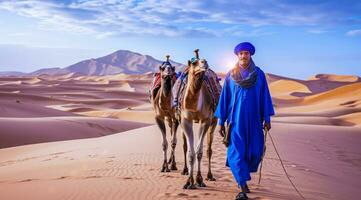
(82,137)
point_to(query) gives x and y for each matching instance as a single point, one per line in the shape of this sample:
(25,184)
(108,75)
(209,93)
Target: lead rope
(279,158)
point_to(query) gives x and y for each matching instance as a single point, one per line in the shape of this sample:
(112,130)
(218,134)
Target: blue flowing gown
(245,109)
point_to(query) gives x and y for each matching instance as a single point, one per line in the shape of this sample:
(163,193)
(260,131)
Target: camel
(161,99)
(197,106)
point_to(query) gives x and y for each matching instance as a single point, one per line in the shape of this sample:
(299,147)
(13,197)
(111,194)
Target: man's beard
(244,62)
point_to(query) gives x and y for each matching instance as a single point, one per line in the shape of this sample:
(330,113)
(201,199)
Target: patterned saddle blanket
(156,84)
(211,81)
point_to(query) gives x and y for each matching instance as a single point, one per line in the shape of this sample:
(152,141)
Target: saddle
(156,84)
(211,81)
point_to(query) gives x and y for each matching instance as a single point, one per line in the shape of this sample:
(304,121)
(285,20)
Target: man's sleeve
(223,103)
(266,101)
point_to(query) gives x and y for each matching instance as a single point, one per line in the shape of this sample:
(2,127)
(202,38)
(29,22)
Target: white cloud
(316,31)
(356,32)
(171,18)
(105,35)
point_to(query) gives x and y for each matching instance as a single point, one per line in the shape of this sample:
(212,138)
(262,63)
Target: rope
(279,158)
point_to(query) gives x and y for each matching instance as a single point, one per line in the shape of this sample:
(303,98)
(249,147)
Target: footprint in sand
(62,177)
(182,195)
(27,180)
(95,176)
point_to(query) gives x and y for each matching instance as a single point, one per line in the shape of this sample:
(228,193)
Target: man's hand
(267,126)
(222,130)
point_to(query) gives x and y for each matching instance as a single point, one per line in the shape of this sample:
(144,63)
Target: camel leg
(199,151)
(170,124)
(173,165)
(161,125)
(187,126)
(210,135)
(185,149)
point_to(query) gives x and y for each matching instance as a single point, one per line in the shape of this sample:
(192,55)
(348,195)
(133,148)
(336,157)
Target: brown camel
(161,101)
(197,105)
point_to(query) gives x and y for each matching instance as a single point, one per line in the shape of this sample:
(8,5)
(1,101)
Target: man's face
(244,57)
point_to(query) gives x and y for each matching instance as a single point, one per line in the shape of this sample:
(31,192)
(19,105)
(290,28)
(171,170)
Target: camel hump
(211,81)
(213,86)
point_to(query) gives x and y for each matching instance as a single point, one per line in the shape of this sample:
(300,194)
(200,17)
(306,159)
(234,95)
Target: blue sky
(292,38)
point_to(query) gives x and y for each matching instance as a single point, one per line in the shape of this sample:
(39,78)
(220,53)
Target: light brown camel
(161,100)
(197,106)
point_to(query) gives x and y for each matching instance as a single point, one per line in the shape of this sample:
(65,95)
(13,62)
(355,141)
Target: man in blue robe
(246,105)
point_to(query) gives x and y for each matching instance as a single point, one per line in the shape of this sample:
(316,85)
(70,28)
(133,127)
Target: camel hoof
(199,181)
(185,171)
(165,169)
(189,186)
(173,167)
(201,184)
(210,177)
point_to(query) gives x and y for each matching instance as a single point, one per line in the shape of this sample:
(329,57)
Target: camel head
(167,72)
(197,69)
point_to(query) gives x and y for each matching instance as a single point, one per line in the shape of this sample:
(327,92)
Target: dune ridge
(72,136)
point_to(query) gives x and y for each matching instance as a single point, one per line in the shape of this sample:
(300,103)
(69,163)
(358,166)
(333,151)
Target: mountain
(122,61)
(12,73)
(50,71)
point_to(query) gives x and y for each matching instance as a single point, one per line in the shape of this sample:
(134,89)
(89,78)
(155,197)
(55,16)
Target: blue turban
(245,46)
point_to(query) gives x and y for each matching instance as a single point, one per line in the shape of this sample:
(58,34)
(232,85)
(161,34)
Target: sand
(88,137)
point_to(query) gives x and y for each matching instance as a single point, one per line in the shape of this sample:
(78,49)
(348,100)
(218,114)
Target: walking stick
(263,154)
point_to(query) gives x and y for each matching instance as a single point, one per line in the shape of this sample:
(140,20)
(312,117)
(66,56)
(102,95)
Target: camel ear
(160,67)
(189,63)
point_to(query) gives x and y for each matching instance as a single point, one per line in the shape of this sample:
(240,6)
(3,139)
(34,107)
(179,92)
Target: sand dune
(272,78)
(21,131)
(22,110)
(350,92)
(60,112)
(127,114)
(317,126)
(280,91)
(354,118)
(315,120)
(115,167)
(334,77)
(302,88)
